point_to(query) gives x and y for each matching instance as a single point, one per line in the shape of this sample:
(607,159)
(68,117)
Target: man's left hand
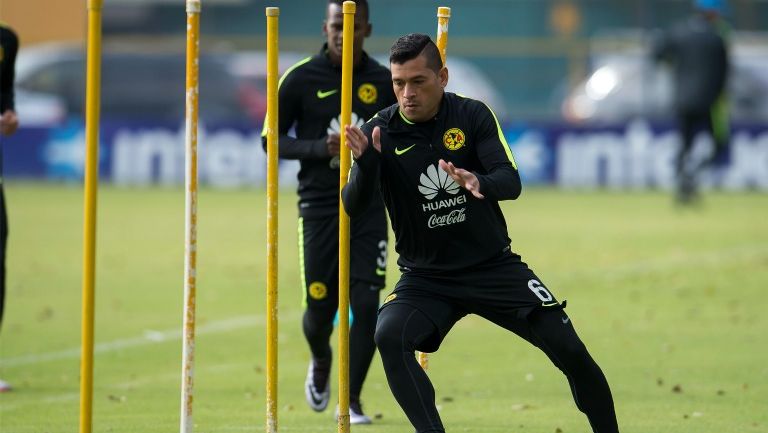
(464,178)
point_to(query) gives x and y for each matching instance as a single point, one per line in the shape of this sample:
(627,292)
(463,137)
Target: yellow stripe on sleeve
(503,139)
(279,83)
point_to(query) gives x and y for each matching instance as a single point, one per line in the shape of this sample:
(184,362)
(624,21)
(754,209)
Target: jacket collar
(398,123)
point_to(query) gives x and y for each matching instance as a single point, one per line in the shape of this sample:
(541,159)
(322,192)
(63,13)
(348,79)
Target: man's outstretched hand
(357,142)
(464,178)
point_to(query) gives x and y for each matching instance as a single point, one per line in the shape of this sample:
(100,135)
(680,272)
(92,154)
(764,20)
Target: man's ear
(443,76)
(368,30)
(325,28)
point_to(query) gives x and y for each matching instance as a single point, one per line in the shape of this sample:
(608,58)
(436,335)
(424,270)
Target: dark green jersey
(310,102)
(438,225)
(9,45)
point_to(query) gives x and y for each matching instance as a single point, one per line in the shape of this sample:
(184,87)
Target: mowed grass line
(670,302)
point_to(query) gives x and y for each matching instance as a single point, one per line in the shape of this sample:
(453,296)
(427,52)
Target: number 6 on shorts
(539,290)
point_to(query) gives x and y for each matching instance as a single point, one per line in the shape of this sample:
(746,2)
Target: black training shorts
(319,254)
(503,290)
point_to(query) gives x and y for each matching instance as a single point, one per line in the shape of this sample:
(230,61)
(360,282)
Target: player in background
(310,104)
(698,54)
(9,46)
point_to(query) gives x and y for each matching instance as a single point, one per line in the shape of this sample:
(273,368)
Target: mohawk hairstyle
(412,45)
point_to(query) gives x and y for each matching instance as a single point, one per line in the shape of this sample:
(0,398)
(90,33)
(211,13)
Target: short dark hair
(410,46)
(358,4)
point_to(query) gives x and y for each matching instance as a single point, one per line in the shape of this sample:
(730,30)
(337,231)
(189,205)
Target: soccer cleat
(356,415)
(5,386)
(317,388)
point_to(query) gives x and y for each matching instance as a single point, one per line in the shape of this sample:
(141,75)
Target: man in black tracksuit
(697,51)
(309,100)
(442,165)
(9,45)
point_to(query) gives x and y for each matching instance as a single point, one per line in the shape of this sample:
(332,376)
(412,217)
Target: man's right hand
(334,142)
(357,142)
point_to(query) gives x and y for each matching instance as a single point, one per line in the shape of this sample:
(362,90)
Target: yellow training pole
(424,360)
(92,97)
(190,215)
(348,9)
(443,16)
(273,15)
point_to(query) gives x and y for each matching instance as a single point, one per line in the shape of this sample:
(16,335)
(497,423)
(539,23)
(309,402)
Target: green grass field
(671,303)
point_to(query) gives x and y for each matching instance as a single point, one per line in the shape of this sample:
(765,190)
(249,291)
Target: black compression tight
(399,331)
(318,327)
(402,329)
(588,383)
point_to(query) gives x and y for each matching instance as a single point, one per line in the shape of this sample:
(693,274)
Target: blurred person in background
(697,52)
(9,46)
(310,102)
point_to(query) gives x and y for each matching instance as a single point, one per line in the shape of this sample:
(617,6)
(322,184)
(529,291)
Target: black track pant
(318,326)
(319,252)
(402,328)
(691,123)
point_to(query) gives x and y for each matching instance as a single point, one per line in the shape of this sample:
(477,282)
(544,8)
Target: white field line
(149,337)
(52,399)
(66,397)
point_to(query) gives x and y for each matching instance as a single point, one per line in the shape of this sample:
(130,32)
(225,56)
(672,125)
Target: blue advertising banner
(637,155)
(142,154)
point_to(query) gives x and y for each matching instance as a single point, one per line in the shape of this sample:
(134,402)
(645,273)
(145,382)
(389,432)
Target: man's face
(333,28)
(418,88)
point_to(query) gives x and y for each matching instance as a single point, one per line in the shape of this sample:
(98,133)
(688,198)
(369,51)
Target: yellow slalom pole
(92,108)
(424,361)
(443,16)
(190,215)
(348,9)
(273,15)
